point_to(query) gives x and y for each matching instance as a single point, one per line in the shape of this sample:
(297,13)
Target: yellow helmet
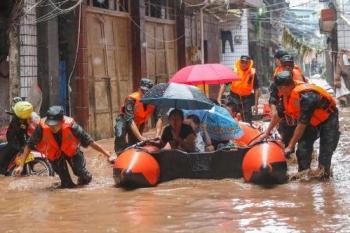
(23,109)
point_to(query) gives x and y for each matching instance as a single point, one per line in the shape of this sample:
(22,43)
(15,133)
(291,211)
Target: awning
(254,3)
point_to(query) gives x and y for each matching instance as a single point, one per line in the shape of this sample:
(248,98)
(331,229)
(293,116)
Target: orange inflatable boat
(262,164)
(265,164)
(249,134)
(136,167)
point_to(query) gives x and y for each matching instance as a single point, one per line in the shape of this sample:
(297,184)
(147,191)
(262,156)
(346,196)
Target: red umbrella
(204,74)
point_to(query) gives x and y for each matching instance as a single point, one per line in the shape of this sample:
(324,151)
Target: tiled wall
(28,48)
(343,28)
(238,27)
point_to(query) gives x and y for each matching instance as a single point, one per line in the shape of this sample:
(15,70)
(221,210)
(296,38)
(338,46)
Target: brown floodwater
(32,204)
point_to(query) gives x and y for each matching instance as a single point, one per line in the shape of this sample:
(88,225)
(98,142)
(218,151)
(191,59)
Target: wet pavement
(33,204)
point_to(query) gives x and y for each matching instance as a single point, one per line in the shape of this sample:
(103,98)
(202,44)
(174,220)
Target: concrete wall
(4,73)
(4,100)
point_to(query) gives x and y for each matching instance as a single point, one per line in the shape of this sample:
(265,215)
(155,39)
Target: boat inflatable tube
(265,164)
(220,164)
(136,168)
(140,168)
(249,134)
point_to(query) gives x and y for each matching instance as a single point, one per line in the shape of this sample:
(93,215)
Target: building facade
(343,24)
(18,55)
(92,53)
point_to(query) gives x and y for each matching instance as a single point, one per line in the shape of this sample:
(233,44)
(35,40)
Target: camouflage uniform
(286,126)
(77,162)
(327,131)
(122,128)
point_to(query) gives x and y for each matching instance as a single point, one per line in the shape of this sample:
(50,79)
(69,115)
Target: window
(115,5)
(162,9)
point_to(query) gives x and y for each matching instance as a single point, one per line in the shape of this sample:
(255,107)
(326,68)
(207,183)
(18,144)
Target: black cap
(284,78)
(54,115)
(280,53)
(146,84)
(287,58)
(245,58)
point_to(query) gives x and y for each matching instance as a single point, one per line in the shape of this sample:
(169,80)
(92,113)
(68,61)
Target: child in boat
(203,141)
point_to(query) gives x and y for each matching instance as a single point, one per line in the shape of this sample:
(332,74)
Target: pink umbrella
(204,74)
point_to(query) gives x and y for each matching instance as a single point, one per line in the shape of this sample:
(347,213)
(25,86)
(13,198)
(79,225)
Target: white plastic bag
(342,91)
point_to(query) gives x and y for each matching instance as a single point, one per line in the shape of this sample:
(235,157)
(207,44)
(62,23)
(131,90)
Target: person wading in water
(59,138)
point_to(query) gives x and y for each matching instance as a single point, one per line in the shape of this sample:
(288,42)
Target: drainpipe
(202,29)
(346,20)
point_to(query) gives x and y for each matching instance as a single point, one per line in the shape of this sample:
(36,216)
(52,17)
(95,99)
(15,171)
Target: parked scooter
(36,164)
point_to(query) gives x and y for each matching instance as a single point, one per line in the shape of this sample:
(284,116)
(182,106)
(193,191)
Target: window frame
(116,6)
(169,7)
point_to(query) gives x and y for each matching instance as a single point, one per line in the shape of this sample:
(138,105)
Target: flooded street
(32,204)
(115,67)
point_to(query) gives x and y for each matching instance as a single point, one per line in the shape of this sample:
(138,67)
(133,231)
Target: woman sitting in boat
(203,141)
(179,135)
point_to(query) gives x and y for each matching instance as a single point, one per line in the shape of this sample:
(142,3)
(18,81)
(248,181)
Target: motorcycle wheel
(38,167)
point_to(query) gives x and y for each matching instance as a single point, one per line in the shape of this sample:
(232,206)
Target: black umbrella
(174,95)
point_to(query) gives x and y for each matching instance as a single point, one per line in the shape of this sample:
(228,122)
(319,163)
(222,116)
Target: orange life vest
(296,72)
(245,85)
(49,146)
(292,104)
(141,112)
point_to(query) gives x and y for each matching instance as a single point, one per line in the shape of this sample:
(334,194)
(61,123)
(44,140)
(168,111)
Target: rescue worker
(244,93)
(287,62)
(278,65)
(287,124)
(317,115)
(59,137)
(21,126)
(134,115)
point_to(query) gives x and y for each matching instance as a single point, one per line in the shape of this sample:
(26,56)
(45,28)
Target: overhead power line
(288,7)
(56,8)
